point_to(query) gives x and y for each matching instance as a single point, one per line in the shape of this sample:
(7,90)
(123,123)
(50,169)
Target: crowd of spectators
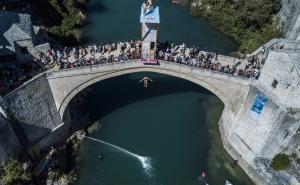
(209,60)
(71,57)
(92,54)
(123,51)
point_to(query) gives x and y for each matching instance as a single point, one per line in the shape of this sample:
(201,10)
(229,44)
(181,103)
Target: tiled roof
(14,27)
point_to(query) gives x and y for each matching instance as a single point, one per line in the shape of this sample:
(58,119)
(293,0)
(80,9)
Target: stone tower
(149,19)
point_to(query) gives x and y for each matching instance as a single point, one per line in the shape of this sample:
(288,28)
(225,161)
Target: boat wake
(147,165)
(145,161)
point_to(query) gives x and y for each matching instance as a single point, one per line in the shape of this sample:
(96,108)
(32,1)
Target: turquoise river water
(165,134)
(173,124)
(118,20)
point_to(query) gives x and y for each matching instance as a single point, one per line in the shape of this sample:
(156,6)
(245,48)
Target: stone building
(254,139)
(20,41)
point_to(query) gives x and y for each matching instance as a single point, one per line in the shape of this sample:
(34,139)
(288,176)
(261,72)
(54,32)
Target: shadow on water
(111,94)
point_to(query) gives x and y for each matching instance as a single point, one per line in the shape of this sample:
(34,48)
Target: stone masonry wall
(289,17)
(253,140)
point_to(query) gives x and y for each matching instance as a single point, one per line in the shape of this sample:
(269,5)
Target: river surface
(173,122)
(165,134)
(118,20)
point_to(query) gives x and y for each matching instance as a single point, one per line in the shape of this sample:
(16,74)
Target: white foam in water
(145,161)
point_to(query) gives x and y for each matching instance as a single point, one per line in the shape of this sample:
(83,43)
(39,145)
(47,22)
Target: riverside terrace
(124,51)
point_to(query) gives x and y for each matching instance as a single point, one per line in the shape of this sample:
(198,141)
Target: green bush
(55,30)
(54,175)
(14,174)
(280,162)
(70,27)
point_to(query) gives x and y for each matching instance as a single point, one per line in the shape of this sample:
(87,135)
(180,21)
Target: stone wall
(289,17)
(255,140)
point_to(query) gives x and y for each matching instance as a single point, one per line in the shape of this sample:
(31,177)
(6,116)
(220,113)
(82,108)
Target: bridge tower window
(152,47)
(274,83)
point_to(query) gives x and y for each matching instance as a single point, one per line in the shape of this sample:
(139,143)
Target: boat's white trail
(145,161)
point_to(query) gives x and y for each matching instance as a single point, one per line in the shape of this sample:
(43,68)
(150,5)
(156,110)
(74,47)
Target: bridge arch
(43,109)
(186,76)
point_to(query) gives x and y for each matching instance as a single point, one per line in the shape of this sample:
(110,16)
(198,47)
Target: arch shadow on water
(104,97)
(119,91)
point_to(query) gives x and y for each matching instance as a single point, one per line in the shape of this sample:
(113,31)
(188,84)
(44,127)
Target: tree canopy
(250,22)
(15,174)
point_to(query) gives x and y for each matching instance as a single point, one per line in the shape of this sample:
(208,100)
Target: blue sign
(258,104)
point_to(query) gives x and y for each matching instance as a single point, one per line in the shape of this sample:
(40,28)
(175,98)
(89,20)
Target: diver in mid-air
(145,79)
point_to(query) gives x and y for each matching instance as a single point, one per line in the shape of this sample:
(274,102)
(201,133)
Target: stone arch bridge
(65,84)
(40,103)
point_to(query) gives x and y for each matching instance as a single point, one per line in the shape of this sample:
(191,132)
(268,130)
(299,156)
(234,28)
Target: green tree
(280,162)
(72,19)
(54,174)
(14,174)
(250,22)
